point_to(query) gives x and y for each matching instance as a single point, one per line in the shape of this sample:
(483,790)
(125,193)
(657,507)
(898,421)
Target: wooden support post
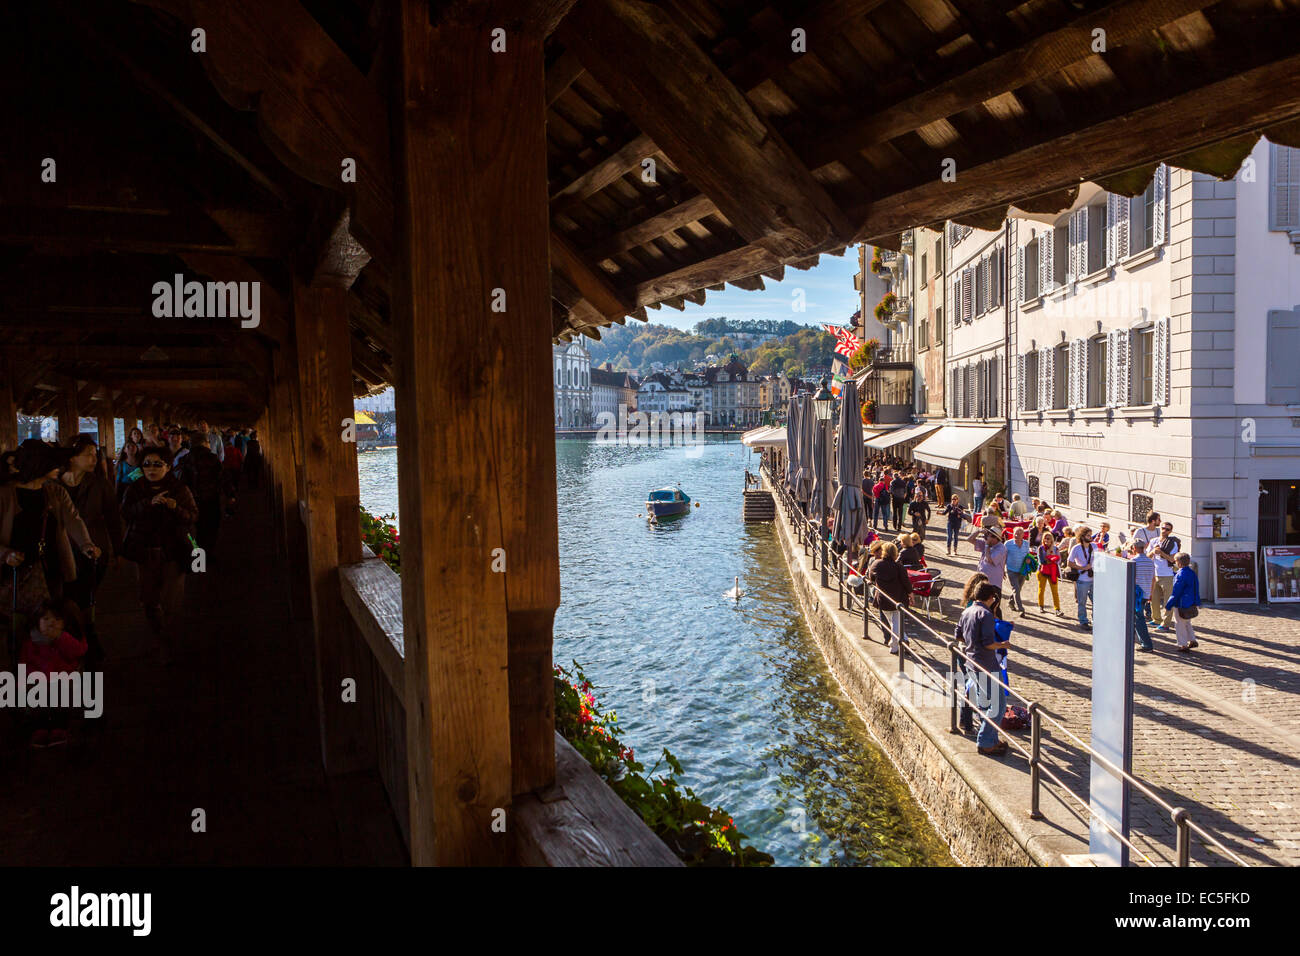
(68,413)
(8,408)
(107,428)
(480,566)
(329,467)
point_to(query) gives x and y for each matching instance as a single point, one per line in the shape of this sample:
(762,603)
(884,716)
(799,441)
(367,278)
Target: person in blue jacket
(1184,600)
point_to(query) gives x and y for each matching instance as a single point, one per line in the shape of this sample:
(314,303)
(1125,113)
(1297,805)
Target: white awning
(890,439)
(955,442)
(869,433)
(764,437)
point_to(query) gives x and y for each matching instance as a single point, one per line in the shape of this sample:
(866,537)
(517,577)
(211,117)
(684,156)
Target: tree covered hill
(766,346)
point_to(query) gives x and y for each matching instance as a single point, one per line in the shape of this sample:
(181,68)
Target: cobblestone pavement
(1216,731)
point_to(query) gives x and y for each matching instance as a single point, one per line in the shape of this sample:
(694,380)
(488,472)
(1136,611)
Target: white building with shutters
(1150,335)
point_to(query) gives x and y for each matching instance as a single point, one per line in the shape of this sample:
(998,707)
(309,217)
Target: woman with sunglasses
(160,511)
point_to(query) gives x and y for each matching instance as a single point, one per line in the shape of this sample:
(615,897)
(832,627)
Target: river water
(736,689)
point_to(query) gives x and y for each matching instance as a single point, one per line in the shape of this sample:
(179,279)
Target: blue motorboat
(667,502)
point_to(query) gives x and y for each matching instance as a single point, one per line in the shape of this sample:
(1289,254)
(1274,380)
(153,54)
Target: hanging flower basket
(869,412)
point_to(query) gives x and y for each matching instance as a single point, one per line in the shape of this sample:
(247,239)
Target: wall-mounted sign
(1281,573)
(1213,526)
(1235,581)
(1177,467)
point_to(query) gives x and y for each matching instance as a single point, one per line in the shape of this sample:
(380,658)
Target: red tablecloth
(920,581)
(1007,525)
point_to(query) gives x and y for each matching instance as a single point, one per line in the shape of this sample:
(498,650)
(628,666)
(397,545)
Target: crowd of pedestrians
(68,513)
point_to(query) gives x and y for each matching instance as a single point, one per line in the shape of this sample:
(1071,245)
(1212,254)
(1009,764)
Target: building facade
(887,384)
(735,395)
(572,367)
(659,393)
(975,366)
(928,314)
(1157,355)
(611,389)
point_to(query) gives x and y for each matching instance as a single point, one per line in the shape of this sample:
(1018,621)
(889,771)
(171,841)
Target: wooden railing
(579,821)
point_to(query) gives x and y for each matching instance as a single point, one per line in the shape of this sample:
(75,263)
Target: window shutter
(1159,234)
(967,294)
(1124,366)
(1046,379)
(1081,266)
(994,388)
(1123,211)
(1282,371)
(1112,217)
(1112,369)
(981,370)
(954,394)
(1072,248)
(1020,383)
(1018,279)
(995,275)
(1072,376)
(1046,272)
(1283,188)
(1160,363)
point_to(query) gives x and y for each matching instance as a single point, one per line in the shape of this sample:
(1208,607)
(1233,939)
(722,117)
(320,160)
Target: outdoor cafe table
(1007,526)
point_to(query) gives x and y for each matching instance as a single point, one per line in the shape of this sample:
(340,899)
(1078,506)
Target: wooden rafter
(1043,56)
(1216,111)
(707,127)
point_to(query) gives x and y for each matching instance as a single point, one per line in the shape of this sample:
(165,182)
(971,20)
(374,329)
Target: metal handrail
(808,530)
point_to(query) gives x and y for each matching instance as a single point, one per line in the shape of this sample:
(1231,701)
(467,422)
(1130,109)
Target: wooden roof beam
(685,104)
(608,170)
(78,232)
(562,74)
(683,214)
(1045,55)
(194,103)
(588,280)
(1211,113)
(313,104)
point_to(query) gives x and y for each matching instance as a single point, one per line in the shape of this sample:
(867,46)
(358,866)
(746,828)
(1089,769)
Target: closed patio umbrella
(820,488)
(792,443)
(848,508)
(807,427)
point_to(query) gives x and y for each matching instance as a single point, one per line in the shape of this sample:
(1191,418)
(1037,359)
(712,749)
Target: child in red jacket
(49,649)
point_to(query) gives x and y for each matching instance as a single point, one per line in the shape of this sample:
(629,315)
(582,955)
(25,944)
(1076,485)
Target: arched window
(1097,499)
(1140,505)
(1062,492)
(1033,486)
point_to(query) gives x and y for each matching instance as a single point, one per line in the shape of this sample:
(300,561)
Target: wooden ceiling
(690,144)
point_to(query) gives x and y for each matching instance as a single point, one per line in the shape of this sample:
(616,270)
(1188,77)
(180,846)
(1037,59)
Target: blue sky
(829,296)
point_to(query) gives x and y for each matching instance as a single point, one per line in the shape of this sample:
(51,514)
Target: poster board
(1235,578)
(1282,573)
(1113,609)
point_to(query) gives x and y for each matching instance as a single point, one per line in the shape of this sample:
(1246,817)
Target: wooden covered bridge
(429,193)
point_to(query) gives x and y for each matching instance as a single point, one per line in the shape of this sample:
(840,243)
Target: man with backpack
(898,494)
(202,471)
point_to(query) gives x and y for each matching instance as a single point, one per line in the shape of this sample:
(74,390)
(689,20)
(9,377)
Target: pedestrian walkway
(229,729)
(1216,731)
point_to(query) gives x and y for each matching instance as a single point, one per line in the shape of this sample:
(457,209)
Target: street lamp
(822,403)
